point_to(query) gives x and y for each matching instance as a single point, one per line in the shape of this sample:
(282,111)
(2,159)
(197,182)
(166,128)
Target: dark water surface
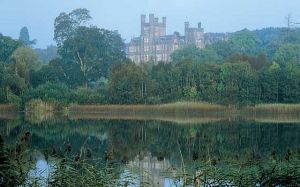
(160,153)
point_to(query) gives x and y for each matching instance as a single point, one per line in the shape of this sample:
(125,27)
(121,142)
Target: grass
(275,108)
(188,112)
(8,111)
(7,108)
(38,111)
(178,108)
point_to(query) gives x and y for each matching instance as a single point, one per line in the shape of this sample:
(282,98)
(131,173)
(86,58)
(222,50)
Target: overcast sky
(124,15)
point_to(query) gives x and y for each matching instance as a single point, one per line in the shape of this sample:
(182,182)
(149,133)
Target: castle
(155,45)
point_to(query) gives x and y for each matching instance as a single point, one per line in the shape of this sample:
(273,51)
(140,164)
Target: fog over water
(124,15)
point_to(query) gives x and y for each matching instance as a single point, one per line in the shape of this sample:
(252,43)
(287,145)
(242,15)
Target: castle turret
(186,25)
(199,25)
(164,21)
(151,18)
(194,36)
(143,20)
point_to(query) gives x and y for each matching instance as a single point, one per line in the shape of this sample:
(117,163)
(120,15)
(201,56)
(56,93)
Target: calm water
(158,153)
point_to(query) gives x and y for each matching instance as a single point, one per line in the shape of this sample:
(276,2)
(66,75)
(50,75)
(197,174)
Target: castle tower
(194,36)
(150,32)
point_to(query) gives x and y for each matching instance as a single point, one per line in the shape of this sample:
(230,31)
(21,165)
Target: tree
(269,83)
(7,47)
(207,81)
(287,53)
(238,83)
(93,50)
(194,54)
(289,87)
(10,84)
(166,82)
(24,37)
(245,42)
(127,83)
(66,24)
(25,61)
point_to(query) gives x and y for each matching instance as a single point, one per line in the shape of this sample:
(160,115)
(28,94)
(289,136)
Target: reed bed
(8,111)
(7,108)
(38,107)
(178,109)
(276,108)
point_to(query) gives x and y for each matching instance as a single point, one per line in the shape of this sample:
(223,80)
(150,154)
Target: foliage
(88,96)
(93,50)
(128,83)
(7,47)
(49,92)
(25,61)
(248,67)
(66,24)
(287,53)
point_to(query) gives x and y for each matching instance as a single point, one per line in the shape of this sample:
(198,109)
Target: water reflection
(158,153)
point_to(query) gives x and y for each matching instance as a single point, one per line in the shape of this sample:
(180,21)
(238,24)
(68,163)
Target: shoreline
(180,112)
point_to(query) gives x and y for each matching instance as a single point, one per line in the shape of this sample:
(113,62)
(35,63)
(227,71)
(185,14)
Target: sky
(124,15)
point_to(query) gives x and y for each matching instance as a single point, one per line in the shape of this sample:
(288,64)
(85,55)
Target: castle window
(146,48)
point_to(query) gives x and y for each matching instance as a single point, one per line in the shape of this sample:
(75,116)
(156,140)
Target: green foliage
(269,80)
(238,83)
(246,68)
(25,61)
(7,47)
(128,83)
(49,92)
(165,82)
(93,50)
(88,96)
(244,42)
(287,53)
(66,24)
(194,54)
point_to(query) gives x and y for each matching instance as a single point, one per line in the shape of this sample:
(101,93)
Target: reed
(8,111)
(178,109)
(275,108)
(38,108)
(7,108)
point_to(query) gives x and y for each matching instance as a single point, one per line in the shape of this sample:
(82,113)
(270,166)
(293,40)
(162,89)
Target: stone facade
(155,45)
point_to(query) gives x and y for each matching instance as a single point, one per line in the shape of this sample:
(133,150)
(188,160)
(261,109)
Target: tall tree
(238,83)
(127,83)
(26,60)
(25,38)
(93,50)
(66,24)
(7,47)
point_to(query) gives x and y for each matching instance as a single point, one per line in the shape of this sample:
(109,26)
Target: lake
(238,151)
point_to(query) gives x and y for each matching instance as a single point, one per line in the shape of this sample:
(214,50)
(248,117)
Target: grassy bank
(7,108)
(189,112)
(274,108)
(186,108)
(8,111)
(179,108)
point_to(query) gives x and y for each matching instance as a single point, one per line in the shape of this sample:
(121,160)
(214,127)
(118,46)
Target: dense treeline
(250,67)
